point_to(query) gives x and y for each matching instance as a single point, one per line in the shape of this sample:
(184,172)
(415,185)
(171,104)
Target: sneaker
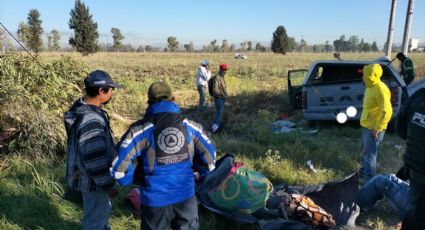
(214,128)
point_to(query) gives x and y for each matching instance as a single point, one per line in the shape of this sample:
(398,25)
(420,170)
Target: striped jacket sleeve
(133,144)
(95,152)
(205,154)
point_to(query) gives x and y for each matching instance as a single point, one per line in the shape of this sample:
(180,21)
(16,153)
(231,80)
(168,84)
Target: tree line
(85,39)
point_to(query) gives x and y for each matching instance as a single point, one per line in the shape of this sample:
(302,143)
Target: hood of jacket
(162,107)
(78,108)
(372,74)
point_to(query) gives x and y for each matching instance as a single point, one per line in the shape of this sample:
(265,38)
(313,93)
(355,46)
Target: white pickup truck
(330,87)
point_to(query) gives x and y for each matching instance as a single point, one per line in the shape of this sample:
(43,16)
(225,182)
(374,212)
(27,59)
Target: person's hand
(197,176)
(113,193)
(374,134)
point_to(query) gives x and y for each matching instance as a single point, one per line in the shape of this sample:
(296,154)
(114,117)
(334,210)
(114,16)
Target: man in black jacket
(411,127)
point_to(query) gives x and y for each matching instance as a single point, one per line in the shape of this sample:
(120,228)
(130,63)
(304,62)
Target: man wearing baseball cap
(90,150)
(201,80)
(219,92)
(406,68)
(167,147)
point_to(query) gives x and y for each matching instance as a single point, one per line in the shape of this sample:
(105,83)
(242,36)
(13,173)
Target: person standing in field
(218,91)
(406,68)
(201,80)
(376,114)
(90,150)
(167,147)
(411,127)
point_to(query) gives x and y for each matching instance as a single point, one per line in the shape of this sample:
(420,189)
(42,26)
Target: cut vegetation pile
(32,101)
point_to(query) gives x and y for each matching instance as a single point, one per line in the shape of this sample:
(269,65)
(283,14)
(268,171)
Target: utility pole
(391,29)
(407,27)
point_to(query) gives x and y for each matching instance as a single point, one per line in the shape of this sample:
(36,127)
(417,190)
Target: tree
(23,33)
(340,44)
(260,48)
(49,42)
(328,47)
(85,29)
(140,49)
(30,33)
(249,46)
(353,43)
(292,44)
(148,48)
(225,46)
(118,37)
(35,30)
(244,46)
(173,44)
(5,43)
(303,46)
(374,47)
(232,47)
(56,37)
(189,47)
(280,40)
(213,47)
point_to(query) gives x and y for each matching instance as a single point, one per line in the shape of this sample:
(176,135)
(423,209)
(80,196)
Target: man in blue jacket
(168,148)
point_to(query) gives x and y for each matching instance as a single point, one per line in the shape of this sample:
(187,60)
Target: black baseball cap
(99,78)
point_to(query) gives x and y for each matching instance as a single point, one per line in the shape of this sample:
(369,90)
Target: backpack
(70,193)
(210,86)
(243,190)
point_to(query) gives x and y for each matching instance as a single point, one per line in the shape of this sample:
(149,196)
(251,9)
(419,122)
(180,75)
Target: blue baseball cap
(99,78)
(205,62)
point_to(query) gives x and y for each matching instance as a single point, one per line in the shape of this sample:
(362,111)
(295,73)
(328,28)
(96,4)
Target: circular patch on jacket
(171,140)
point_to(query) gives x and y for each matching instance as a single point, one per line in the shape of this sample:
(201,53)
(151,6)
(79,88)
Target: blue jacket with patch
(167,148)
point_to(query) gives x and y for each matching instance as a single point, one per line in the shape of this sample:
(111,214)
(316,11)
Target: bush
(33,99)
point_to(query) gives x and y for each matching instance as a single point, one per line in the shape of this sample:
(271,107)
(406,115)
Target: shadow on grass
(33,212)
(247,104)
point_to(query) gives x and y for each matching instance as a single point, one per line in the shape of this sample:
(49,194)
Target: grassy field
(32,187)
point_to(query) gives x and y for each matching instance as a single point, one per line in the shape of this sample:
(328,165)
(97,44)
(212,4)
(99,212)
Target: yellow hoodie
(377,109)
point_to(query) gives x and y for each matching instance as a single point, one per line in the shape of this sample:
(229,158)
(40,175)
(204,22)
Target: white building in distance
(413,44)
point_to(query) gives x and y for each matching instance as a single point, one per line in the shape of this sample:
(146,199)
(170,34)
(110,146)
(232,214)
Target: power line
(35,59)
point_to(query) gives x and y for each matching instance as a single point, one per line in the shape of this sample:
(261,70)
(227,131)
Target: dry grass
(257,87)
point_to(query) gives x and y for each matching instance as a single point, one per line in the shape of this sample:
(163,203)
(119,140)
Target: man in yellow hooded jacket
(376,114)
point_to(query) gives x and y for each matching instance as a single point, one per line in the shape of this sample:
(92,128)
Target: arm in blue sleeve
(205,154)
(129,148)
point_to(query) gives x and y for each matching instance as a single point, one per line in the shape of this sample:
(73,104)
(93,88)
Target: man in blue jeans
(90,150)
(201,80)
(395,190)
(219,92)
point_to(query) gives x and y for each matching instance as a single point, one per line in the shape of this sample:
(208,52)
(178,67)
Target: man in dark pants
(167,147)
(90,150)
(406,68)
(411,127)
(219,92)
